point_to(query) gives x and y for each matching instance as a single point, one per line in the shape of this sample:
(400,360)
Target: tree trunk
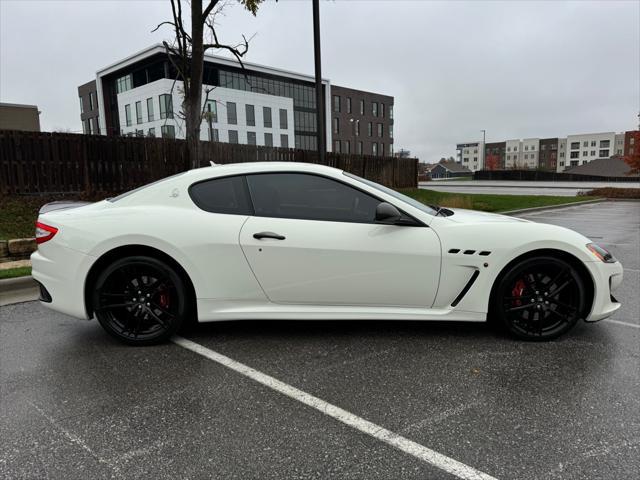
(193,90)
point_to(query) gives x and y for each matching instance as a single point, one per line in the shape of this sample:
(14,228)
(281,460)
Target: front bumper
(607,277)
(61,273)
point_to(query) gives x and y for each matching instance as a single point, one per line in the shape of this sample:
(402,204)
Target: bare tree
(186,53)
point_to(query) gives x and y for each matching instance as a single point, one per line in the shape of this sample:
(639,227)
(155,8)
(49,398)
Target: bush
(612,192)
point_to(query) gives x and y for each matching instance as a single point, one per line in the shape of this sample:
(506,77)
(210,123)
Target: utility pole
(318,63)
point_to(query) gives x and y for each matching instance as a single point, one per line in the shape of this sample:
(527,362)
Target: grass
(18,216)
(15,272)
(487,202)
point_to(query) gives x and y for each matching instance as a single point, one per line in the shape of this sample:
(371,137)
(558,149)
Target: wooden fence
(546,176)
(40,163)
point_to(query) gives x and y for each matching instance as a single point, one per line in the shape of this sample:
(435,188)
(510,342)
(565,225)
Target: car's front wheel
(140,300)
(540,298)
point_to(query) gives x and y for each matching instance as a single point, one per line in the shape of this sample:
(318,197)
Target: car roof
(258,167)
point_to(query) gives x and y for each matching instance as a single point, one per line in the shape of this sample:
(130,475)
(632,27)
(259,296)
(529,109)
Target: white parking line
(425,454)
(626,324)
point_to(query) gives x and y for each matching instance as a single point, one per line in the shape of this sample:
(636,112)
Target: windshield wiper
(437,208)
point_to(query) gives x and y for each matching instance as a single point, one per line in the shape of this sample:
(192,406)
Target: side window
(222,195)
(309,197)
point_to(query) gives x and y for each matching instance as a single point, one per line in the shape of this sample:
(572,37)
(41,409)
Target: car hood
(461,215)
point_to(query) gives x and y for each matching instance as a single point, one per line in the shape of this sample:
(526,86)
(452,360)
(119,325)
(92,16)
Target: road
(508,187)
(76,404)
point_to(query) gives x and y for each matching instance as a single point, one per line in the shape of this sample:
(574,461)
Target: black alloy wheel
(540,298)
(140,300)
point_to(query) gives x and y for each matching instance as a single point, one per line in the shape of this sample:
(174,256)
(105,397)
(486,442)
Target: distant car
(302,241)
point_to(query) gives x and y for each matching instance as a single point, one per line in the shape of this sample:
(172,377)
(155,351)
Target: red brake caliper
(518,288)
(163,299)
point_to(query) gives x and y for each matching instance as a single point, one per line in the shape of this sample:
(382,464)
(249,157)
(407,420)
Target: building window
(138,112)
(370,129)
(232,118)
(374,109)
(168,131)
(216,135)
(465,159)
(166,106)
(603,153)
(382,113)
(593,152)
(336,146)
(575,145)
(391,112)
(336,125)
(284,122)
(91,101)
(124,83)
(284,141)
(632,141)
(150,109)
(361,107)
(347,146)
(359,148)
(348,104)
(533,147)
(127,115)
(96,127)
(357,128)
(380,130)
(562,156)
(211,111)
(251,116)
(508,149)
(233,134)
(585,144)
(268,139)
(574,163)
(87,126)
(382,149)
(562,164)
(391,131)
(593,143)
(604,143)
(374,148)
(151,132)
(266,113)
(251,138)
(81,105)
(336,103)
(139,133)
(526,147)
(585,153)
(575,154)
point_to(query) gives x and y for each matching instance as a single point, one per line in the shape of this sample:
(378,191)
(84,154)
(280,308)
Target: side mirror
(387,213)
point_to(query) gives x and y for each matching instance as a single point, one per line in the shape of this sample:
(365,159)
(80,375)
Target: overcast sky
(516,69)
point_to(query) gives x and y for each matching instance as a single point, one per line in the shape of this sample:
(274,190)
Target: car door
(314,240)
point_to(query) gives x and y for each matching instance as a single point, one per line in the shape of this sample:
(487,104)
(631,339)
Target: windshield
(393,193)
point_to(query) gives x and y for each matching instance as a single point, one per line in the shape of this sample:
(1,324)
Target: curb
(553,207)
(18,283)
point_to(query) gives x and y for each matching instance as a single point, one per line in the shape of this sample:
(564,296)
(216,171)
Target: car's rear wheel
(140,300)
(540,298)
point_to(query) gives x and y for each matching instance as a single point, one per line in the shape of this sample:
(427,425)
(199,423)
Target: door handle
(261,235)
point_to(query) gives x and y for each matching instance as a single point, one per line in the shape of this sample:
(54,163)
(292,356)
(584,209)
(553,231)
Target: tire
(539,298)
(140,300)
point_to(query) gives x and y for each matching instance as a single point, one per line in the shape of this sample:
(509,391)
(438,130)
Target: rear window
(222,195)
(135,190)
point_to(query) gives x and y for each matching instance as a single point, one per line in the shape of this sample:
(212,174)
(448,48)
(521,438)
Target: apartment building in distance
(258,105)
(17,116)
(552,154)
(471,155)
(361,122)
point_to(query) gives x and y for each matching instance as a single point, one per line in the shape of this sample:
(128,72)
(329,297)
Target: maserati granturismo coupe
(300,241)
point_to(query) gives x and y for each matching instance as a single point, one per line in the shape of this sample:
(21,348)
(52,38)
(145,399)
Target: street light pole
(318,64)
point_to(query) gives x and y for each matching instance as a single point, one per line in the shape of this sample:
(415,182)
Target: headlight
(602,253)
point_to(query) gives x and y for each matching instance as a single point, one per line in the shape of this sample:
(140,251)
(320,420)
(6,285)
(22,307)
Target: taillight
(44,233)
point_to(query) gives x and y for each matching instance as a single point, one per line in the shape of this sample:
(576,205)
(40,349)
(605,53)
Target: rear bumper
(607,278)
(61,273)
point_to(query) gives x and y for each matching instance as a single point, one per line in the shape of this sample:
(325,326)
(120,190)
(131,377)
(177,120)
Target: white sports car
(302,241)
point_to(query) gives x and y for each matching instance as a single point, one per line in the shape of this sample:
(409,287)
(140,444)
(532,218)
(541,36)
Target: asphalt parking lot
(76,404)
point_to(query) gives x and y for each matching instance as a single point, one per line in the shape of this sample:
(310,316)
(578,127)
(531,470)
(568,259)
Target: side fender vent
(454,250)
(466,288)
(484,253)
(469,252)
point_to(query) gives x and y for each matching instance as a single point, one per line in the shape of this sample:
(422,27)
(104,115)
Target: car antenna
(213,164)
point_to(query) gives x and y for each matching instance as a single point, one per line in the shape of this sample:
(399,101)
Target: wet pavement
(76,404)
